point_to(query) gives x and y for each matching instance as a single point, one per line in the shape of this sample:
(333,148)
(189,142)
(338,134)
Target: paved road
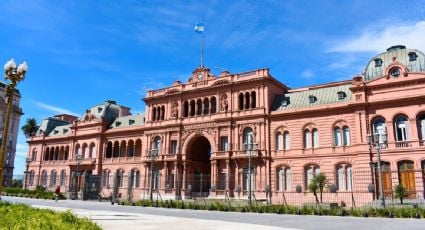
(158,218)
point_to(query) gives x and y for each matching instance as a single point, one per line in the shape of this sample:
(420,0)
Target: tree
(400,192)
(30,127)
(317,184)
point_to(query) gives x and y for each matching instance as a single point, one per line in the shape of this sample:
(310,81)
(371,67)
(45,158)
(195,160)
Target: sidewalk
(110,220)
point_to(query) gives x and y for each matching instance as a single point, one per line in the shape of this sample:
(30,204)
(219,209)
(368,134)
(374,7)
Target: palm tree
(30,127)
(317,184)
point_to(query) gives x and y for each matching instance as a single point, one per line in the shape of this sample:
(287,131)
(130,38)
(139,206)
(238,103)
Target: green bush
(20,216)
(39,193)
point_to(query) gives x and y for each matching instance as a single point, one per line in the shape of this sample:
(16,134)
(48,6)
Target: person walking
(57,193)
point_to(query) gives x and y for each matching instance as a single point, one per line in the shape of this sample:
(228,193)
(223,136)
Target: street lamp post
(14,75)
(78,157)
(27,164)
(152,157)
(250,147)
(377,140)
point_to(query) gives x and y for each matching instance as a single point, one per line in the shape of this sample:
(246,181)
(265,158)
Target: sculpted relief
(224,102)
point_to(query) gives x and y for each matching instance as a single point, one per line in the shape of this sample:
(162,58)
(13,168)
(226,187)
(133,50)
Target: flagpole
(202,50)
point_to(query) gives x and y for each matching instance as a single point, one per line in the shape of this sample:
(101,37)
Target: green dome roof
(413,59)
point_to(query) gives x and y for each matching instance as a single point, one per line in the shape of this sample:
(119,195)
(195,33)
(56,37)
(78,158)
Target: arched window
(109,150)
(284,179)
(134,178)
(105,178)
(162,113)
(192,108)
(247,100)
(206,106)
(287,141)
(337,136)
(130,148)
(241,101)
(344,177)
(85,152)
(44,178)
(401,128)
(31,178)
(34,155)
(315,138)
(253,99)
(310,171)
(279,141)
(62,177)
(153,113)
(185,109)
(307,139)
(138,148)
(116,151)
(119,178)
(123,149)
(158,113)
(199,107)
(421,127)
(379,126)
(156,145)
(248,139)
(53,176)
(346,136)
(213,105)
(66,152)
(92,151)
(46,154)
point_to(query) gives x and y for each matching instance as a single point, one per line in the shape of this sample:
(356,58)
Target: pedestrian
(57,193)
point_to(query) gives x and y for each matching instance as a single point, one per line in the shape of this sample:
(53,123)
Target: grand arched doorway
(199,174)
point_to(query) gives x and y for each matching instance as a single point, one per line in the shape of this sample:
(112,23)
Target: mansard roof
(413,59)
(128,121)
(49,124)
(107,111)
(313,96)
(61,130)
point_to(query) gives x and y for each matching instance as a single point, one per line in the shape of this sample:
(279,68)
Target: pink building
(198,138)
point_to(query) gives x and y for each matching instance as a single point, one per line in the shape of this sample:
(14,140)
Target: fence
(343,187)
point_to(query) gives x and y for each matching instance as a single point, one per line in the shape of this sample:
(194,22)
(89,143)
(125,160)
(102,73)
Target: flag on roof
(199,28)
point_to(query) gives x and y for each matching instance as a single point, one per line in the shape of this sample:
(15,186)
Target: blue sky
(81,53)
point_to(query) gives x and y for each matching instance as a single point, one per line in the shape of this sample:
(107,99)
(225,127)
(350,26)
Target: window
(247,178)
(213,105)
(346,136)
(224,143)
(310,171)
(222,179)
(337,136)
(131,122)
(287,141)
(412,56)
(248,139)
(173,147)
(241,101)
(34,155)
(421,127)
(119,178)
(156,146)
(279,141)
(315,138)
(284,180)
(134,178)
(185,109)
(395,72)
(247,100)
(312,99)
(307,139)
(253,99)
(401,128)
(378,62)
(53,178)
(344,177)
(31,179)
(379,126)
(105,178)
(155,179)
(341,95)
(62,178)
(199,107)
(170,181)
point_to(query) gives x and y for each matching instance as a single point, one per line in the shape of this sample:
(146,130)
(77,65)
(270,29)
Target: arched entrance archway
(199,175)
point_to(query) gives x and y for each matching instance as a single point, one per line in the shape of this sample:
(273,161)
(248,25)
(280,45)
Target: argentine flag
(199,28)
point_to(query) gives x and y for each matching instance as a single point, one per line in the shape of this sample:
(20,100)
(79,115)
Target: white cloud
(307,74)
(55,109)
(373,40)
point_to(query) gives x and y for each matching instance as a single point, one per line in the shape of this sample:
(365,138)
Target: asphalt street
(111,216)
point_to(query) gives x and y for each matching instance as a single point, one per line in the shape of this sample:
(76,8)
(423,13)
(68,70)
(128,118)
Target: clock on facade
(395,72)
(199,76)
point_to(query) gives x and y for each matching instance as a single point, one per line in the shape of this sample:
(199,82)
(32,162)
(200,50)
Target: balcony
(221,155)
(247,151)
(403,144)
(85,161)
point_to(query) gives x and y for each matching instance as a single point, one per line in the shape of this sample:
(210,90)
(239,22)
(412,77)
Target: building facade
(9,160)
(224,136)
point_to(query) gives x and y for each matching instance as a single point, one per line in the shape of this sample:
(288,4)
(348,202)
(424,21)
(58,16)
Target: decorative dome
(413,59)
(108,111)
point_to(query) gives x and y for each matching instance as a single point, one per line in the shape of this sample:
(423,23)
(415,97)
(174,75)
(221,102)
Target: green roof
(128,121)
(401,54)
(301,99)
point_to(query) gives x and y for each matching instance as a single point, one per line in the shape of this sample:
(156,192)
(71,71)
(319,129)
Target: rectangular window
(346,137)
(315,138)
(170,181)
(307,139)
(155,179)
(246,179)
(287,141)
(224,144)
(173,147)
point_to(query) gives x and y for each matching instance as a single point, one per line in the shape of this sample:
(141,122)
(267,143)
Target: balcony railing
(403,144)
